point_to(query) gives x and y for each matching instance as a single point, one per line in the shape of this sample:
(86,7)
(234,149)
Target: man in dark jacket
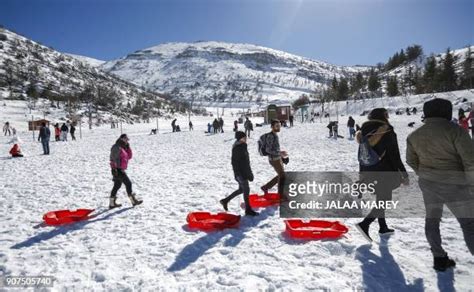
(389,172)
(221,125)
(215,125)
(442,155)
(242,172)
(248,126)
(351,125)
(44,135)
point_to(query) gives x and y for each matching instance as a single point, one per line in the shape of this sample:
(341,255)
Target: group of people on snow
(217,126)
(443,162)
(269,146)
(8,129)
(61,133)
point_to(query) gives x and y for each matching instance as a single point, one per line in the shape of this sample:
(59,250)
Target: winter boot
(224,203)
(134,200)
(113,203)
(364,230)
(386,231)
(250,212)
(441,264)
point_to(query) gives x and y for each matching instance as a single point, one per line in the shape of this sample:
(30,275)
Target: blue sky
(343,32)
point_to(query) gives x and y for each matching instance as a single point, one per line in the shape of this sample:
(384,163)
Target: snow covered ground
(148,247)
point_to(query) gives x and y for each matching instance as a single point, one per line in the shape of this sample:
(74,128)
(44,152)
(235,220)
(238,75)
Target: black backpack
(262,144)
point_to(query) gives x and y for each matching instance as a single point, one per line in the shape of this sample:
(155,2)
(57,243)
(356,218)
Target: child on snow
(16,151)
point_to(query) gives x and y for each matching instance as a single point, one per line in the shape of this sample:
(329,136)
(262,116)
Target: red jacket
(464,122)
(15,150)
(57,131)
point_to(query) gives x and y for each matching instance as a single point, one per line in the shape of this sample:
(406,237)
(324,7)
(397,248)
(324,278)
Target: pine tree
(468,70)
(373,82)
(448,75)
(392,86)
(430,76)
(343,89)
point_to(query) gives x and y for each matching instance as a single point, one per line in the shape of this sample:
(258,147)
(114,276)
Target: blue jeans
(45,143)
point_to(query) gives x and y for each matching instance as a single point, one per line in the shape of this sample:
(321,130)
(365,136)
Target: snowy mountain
(30,71)
(209,72)
(89,61)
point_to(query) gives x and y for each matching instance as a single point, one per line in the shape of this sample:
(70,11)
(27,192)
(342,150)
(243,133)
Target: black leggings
(382,194)
(119,178)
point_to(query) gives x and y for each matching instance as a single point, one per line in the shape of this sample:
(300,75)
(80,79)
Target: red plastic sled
(66,216)
(208,221)
(315,229)
(259,201)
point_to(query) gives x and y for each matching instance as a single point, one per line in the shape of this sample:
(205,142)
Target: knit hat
(438,108)
(239,135)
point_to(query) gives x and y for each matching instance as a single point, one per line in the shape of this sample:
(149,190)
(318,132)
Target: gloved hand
(286,160)
(115,172)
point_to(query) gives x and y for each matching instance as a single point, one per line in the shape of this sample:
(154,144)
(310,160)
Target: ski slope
(148,247)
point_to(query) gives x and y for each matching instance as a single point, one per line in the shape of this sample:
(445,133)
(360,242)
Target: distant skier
(351,125)
(444,164)
(16,151)
(6,129)
(120,154)
(221,124)
(44,135)
(383,165)
(248,126)
(414,111)
(191,126)
(242,173)
(209,128)
(57,132)
(269,145)
(173,125)
(73,131)
(236,126)
(408,111)
(64,131)
(291,120)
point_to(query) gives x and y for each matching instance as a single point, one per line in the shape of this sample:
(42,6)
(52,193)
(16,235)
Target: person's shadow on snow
(46,235)
(382,273)
(446,281)
(193,251)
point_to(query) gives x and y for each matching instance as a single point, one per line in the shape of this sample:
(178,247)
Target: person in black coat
(242,172)
(44,135)
(389,172)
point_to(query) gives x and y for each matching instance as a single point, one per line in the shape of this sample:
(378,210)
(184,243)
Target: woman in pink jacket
(120,154)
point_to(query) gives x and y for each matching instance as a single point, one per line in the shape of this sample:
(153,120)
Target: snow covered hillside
(148,247)
(30,70)
(90,61)
(225,72)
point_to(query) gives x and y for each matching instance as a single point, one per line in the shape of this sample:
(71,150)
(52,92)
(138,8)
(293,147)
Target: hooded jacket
(241,161)
(120,154)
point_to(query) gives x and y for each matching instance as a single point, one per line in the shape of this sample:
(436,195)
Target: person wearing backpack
(269,145)
(444,164)
(242,173)
(379,160)
(120,154)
